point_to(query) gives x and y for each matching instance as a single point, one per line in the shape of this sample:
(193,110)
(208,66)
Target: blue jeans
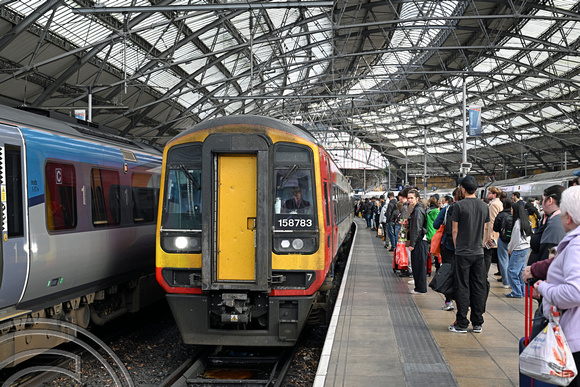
(503,259)
(397,229)
(368,218)
(391,234)
(515,269)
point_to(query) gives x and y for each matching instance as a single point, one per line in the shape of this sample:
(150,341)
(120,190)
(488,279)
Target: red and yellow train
(254,212)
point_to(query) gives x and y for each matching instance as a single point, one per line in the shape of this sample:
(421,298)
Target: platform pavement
(384,336)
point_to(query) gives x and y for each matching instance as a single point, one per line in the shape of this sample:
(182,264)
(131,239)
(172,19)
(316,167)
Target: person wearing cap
(468,219)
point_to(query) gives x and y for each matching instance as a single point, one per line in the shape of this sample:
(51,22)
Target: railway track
(225,367)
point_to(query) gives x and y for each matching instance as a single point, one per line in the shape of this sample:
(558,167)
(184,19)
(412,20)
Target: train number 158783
(294,223)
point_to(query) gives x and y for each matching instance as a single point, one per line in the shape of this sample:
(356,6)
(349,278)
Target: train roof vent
(101,134)
(128,155)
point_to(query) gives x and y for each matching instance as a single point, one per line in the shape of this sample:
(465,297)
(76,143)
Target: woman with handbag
(562,285)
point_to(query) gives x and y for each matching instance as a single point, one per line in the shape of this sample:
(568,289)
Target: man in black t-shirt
(469,218)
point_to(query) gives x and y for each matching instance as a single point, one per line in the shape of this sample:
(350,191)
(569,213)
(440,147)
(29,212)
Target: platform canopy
(377,82)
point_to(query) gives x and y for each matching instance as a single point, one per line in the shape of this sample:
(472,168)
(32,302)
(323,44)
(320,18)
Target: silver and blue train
(78,212)
(532,186)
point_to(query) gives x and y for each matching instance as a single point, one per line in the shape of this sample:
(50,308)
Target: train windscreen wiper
(290,173)
(189,176)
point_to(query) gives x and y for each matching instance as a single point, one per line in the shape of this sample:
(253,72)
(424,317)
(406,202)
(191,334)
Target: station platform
(382,335)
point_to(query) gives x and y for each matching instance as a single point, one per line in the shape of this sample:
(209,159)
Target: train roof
(539,177)
(269,122)
(63,124)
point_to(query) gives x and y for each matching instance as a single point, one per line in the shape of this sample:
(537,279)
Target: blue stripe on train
(34,201)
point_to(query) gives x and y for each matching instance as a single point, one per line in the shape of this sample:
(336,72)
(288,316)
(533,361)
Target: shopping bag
(443,280)
(380,231)
(436,241)
(401,256)
(548,357)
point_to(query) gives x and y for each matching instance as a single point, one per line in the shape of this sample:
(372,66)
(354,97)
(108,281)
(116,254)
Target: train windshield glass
(182,204)
(294,205)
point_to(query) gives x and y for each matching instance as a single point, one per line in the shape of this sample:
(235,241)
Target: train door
(14,263)
(235,247)
(236,217)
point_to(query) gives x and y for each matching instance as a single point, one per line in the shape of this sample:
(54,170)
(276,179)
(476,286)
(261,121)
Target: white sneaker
(417,293)
(505,286)
(448,306)
(412,282)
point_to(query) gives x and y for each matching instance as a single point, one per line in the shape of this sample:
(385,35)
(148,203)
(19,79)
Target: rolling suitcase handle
(528,314)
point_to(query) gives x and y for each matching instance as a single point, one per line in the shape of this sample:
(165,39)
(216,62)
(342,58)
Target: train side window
(326,201)
(105,197)
(61,206)
(144,198)
(14,209)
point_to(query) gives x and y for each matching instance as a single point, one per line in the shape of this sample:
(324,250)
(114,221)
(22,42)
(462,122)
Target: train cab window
(61,208)
(295,200)
(14,209)
(181,218)
(182,204)
(144,197)
(105,197)
(294,191)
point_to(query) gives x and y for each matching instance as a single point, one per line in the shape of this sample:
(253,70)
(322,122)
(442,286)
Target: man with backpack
(503,225)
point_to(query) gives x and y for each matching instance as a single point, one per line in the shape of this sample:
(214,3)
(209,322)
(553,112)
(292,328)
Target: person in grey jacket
(518,248)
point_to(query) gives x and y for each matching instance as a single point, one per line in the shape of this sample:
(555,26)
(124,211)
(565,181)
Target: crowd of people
(535,241)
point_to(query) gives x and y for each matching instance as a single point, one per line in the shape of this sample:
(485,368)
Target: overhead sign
(475,121)
(81,114)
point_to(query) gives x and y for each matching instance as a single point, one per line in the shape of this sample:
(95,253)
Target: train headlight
(181,243)
(300,244)
(297,244)
(172,243)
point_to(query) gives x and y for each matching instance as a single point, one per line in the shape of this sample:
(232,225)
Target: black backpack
(449,222)
(505,233)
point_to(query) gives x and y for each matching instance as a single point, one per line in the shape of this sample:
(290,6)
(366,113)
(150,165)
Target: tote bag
(548,357)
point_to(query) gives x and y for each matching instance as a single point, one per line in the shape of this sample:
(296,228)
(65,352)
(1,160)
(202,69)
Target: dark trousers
(470,288)
(447,256)
(419,265)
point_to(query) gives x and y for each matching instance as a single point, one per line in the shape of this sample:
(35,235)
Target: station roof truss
(377,82)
